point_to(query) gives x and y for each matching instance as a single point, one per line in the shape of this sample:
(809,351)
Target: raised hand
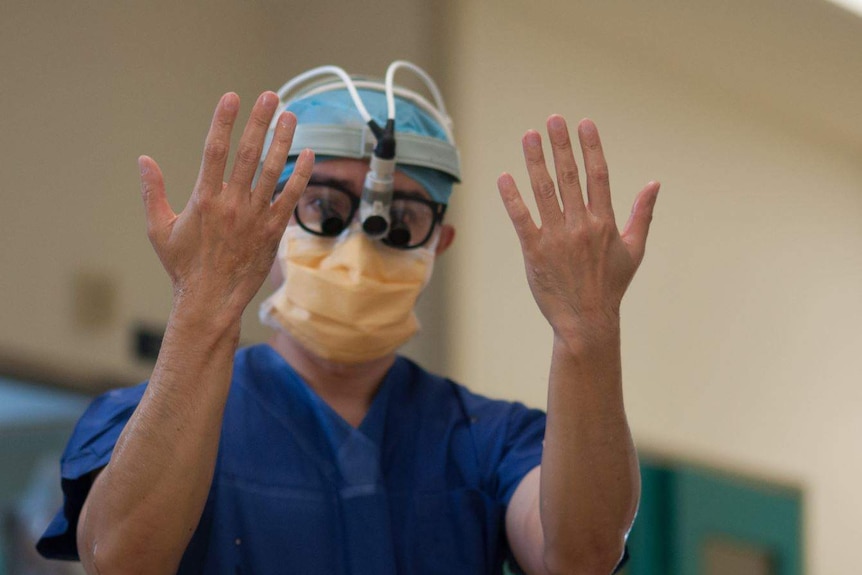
(578,264)
(220,248)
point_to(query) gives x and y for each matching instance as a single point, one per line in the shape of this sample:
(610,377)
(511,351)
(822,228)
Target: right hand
(220,248)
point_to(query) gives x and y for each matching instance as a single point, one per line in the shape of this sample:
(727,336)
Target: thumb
(637,228)
(158,212)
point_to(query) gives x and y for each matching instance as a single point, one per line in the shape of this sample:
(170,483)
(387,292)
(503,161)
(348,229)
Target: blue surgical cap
(336,108)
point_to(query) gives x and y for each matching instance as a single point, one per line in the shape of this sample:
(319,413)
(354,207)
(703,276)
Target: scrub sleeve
(89,449)
(514,452)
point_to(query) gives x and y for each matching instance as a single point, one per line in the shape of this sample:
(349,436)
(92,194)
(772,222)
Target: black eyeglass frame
(437,208)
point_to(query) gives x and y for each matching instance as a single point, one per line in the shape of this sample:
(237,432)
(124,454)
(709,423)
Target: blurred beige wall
(88,87)
(741,330)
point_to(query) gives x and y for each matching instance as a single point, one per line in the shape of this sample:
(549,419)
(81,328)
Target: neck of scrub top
(347,388)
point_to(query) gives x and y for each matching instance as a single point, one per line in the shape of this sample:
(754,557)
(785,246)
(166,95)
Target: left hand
(578,264)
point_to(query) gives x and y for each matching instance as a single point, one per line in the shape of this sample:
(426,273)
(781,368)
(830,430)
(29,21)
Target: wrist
(202,323)
(597,335)
(201,302)
(592,359)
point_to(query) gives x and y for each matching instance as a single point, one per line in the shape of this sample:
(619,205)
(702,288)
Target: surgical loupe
(327,208)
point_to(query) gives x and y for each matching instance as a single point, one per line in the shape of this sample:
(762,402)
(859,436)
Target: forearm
(590,483)
(145,505)
(579,266)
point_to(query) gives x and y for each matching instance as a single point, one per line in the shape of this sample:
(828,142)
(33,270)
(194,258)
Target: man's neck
(349,389)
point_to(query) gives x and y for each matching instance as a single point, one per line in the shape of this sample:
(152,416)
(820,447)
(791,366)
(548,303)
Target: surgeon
(323,451)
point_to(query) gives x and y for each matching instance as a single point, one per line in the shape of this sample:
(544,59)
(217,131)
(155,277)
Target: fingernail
(266,98)
(556,122)
(307,154)
(142,166)
(284,120)
(231,101)
(532,139)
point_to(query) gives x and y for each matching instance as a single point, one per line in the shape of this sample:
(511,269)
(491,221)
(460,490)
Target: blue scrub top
(420,487)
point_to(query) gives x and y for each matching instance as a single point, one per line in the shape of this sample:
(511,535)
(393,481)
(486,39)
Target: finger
(286,200)
(637,228)
(251,141)
(276,157)
(598,182)
(217,146)
(517,210)
(158,211)
(543,186)
(566,167)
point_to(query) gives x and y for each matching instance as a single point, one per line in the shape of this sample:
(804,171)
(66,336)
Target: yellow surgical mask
(347,299)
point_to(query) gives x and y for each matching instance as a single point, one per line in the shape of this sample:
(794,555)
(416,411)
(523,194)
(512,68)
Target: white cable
(444,121)
(322,71)
(438,112)
(429,83)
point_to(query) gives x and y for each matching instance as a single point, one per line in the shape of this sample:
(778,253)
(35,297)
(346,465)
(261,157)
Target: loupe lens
(399,235)
(332,226)
(374,225)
